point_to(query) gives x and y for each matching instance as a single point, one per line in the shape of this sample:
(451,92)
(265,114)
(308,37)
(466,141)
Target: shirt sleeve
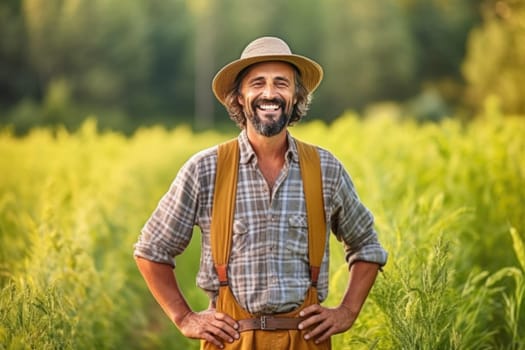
(353,224)
(169,229)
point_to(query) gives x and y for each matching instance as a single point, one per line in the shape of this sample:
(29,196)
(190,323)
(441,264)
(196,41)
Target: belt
(268,323)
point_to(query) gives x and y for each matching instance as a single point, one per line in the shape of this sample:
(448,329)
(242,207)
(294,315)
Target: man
(266,293)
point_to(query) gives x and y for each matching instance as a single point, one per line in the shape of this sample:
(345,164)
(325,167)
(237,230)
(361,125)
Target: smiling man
(267,96)
(266,204)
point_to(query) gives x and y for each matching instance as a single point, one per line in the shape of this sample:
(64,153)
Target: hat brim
(224,81)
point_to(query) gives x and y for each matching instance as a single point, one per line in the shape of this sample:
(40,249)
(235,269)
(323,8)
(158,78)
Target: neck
(267,148)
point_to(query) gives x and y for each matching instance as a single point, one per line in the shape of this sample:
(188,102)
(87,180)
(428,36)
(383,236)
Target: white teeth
(267,107)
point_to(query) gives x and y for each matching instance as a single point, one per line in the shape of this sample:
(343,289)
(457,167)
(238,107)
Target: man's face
(267,95)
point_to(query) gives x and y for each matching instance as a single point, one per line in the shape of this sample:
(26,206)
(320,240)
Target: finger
(312,320)
(228,325)
(211,339)
(310,310)
(325,336)
(220,334)
(226,318)
(317,330)
(320,332)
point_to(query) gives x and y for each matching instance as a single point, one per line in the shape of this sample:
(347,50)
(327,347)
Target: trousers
(266,339)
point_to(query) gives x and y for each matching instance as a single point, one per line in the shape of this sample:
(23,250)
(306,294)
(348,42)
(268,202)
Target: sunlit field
(448,199)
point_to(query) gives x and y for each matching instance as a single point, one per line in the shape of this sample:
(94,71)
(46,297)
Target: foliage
(71,207)
(496,56)
(146,61)
(445,197)
(368,54)
(99,47)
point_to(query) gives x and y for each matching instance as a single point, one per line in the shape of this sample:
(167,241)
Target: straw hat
(263,50)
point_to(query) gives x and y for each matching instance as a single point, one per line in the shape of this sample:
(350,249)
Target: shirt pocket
(240,235)
(297,240)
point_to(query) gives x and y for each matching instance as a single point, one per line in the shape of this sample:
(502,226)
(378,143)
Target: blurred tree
(153,60)
(495,62)
(56,106)
(17,78)
(203,12)
(440,29)
(171,77)
(367,53)
(99,47)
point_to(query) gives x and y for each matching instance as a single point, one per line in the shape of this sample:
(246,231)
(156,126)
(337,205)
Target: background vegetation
(448,201)
(141,62)
(101,101)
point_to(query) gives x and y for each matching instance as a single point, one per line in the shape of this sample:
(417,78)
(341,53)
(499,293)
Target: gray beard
(269,129)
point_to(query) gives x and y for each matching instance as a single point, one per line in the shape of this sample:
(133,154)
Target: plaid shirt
(268,269)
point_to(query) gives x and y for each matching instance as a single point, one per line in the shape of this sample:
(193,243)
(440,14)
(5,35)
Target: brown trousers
(266,339)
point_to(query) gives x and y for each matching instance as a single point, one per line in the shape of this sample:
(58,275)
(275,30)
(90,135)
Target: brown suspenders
(224,206)
(310,165)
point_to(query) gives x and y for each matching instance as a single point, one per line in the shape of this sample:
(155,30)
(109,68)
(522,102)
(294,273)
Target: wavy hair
(235,109)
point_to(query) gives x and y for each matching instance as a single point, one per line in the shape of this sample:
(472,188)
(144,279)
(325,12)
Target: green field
(449,201)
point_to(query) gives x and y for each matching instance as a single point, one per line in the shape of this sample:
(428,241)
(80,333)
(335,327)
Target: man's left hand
(324,322)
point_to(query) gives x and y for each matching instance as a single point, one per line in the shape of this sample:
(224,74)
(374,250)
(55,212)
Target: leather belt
(268,323)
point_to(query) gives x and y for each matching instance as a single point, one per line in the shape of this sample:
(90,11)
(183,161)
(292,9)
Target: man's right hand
(214,327)
(211,326)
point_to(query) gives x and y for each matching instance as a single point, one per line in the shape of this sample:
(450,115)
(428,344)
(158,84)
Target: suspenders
(310,165)
(224,206)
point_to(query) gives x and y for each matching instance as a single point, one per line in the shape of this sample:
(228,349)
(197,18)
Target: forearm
(362,277)
(162,283)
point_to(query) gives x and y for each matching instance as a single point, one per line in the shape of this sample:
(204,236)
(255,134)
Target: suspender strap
(224,206)
(310,165)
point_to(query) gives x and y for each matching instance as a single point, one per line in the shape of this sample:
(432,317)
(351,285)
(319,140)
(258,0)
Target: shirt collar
(247,154)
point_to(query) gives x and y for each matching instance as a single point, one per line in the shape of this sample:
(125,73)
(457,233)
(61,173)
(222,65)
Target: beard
(269,125)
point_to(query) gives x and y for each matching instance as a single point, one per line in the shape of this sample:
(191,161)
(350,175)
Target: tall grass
(448,200)
(71,208)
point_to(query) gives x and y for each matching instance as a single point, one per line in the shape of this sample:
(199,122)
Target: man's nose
(269,91)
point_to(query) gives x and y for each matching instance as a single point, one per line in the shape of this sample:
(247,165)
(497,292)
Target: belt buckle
(264,323)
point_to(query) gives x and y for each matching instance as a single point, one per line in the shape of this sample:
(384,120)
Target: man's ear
(240,100)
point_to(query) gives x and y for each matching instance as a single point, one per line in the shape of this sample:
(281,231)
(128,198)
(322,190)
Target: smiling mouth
(269,107)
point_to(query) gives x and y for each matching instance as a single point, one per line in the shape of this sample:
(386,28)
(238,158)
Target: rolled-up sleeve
(353,224)
(169,229)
